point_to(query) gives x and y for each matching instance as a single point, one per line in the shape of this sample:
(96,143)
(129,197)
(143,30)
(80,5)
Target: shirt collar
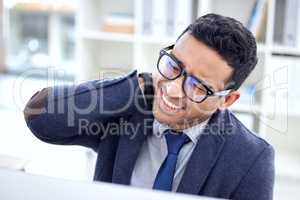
(193,132)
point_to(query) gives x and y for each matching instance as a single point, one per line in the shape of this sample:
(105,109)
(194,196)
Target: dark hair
(233,42)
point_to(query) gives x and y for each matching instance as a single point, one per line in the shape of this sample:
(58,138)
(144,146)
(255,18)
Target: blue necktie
(165,175)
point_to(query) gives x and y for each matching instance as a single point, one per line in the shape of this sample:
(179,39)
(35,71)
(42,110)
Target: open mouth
(168,106)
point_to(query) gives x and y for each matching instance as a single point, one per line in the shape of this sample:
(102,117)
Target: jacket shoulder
(243,152)
(245,138)
(243,147)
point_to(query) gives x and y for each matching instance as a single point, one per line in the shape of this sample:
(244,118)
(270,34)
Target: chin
(168,120)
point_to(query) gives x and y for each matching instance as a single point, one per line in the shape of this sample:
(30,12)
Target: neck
(187,124)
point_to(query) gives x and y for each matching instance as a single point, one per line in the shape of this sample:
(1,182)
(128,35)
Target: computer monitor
(17,185)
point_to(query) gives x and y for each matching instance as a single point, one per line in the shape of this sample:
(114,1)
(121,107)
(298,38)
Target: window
(41,35)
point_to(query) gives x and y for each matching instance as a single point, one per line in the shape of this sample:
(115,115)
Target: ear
(230,99)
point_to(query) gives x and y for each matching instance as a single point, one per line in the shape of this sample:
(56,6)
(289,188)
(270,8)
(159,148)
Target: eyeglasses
(195,89)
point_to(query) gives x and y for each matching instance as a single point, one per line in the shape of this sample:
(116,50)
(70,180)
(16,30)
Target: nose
(174,88)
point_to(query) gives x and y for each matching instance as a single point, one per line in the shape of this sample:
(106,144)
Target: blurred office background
(47,42)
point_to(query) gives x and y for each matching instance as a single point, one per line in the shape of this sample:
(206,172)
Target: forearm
(65,114)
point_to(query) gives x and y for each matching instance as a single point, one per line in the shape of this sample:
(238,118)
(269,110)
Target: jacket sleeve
(258,183)
(83,114)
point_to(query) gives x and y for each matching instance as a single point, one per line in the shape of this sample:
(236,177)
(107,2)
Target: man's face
(171,106)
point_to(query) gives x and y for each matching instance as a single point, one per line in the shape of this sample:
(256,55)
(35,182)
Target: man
(187,141)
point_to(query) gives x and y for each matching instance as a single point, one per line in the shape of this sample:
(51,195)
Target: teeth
(171,105)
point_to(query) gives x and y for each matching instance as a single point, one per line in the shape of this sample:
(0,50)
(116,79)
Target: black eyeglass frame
(209,90)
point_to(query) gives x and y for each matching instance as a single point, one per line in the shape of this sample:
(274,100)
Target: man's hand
(141,82)
(36,105)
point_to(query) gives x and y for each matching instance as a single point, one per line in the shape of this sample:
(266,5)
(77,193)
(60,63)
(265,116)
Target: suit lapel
(130,143)
(204,157)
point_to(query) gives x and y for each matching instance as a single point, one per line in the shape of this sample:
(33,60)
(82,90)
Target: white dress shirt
(154,152)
